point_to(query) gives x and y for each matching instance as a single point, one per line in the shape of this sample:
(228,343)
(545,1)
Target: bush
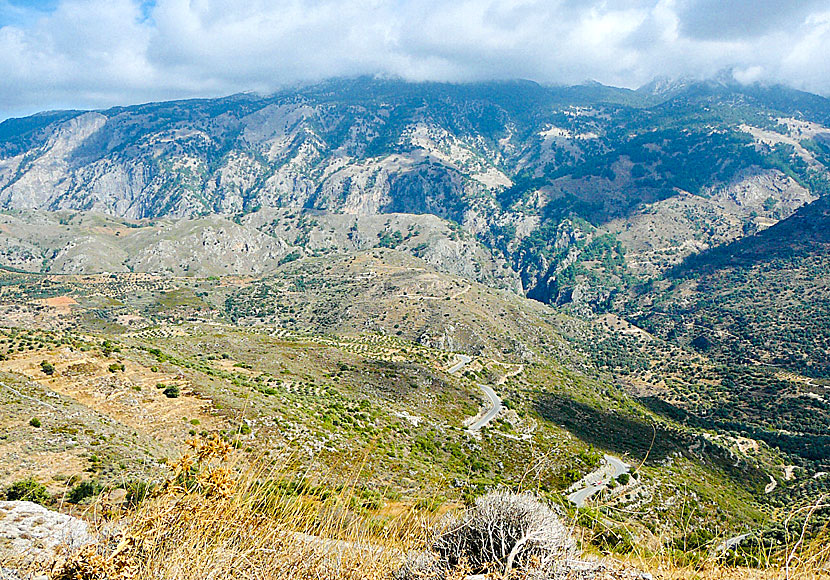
(34,422)
(500,532)
(615,539)
(28,489)
(83,490)
(47,367)
(171,391)
(115,367)
(138,491)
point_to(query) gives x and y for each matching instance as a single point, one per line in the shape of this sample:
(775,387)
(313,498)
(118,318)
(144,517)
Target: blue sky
(99,53)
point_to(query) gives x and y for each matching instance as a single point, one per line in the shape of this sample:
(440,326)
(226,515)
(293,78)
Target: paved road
(496,407)
(731,543)
(463,360)
(598,480)
(495,402)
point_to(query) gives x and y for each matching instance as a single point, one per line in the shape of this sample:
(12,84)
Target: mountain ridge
(511,162)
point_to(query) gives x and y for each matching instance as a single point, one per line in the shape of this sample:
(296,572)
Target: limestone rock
(31,534)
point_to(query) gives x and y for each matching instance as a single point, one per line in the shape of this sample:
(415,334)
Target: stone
(30,534)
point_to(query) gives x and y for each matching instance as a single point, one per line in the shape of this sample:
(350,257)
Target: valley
(414,294)
(352,370)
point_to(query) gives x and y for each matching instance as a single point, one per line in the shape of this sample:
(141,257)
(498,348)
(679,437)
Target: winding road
(495,409)
(495,401)
(463,360)
(598,480)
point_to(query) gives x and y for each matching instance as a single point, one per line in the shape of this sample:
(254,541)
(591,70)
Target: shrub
(171,391)
(28,489)
(34,422)
(500,532)
(107,348)
(138,491)
(615,539)
(83,490)
(115,367)
(47,367)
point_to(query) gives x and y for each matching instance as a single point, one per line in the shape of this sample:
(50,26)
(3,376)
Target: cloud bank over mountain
(96,53)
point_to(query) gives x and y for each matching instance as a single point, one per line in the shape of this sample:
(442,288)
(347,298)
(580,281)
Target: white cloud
(748,75)
(94,53)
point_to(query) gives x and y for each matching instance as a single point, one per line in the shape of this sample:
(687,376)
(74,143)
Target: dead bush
(503,532)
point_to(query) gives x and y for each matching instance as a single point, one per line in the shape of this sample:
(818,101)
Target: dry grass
(795,558)
(215,518)
(797,561)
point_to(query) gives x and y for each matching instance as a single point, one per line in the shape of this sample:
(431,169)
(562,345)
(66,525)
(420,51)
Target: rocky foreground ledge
(33,537)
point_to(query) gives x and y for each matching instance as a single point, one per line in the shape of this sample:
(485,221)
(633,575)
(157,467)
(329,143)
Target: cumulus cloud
(95,53)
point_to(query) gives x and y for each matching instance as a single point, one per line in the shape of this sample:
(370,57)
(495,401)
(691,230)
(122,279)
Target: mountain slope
(336,355)
(510,162)
(760,300)
(256,244)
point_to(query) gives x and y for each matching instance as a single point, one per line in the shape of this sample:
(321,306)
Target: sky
(57,54)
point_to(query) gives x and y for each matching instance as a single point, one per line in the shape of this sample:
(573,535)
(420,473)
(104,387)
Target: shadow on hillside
(805,233)
(608,430)
(620,434)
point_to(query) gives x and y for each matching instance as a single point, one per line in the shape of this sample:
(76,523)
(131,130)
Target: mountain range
(577,188)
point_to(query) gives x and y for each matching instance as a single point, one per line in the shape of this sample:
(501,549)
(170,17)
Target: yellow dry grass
(215,518)
(129,397)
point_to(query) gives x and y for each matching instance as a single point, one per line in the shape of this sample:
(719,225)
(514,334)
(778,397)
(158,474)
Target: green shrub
(107,348)
(138,491)
(615,539)
(47,367)
(171,391)
(83,490)
(34,422)
(115,367)
(28,489)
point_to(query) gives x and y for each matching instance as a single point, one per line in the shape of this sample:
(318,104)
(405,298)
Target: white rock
(31,533)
